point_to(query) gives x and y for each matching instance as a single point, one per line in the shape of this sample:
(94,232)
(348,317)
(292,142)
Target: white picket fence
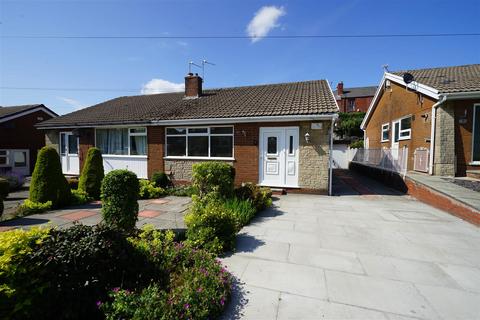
(394,160)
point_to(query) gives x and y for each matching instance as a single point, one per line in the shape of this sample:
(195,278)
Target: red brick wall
(361,104)
(463,135)
(155,140)
(86,141)
(20,133)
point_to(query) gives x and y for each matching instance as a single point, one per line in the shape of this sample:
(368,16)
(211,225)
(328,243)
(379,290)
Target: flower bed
(98,272)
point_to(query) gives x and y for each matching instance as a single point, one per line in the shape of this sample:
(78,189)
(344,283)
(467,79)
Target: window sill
(474,163)
(199,158)
(384,141)
(404,138)
(123,156)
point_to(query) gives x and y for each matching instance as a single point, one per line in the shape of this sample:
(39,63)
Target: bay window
(203,142)
(122,141)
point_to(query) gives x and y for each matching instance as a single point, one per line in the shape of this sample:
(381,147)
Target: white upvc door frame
(70,161)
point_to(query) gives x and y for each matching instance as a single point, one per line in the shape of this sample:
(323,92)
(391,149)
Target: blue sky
(127,65)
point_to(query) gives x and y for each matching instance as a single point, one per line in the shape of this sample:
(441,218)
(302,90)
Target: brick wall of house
(20,133)
(463,135)
(361,104)
(86,140)
(394,104)
(155,149)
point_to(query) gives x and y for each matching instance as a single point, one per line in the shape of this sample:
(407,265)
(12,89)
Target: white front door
(395,139)
(69,153)
(279,157)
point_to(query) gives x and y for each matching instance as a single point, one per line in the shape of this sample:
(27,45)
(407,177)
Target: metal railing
(394,160)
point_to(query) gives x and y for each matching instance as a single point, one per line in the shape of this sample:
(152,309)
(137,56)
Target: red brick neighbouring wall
(20,133)
(86,141)
(442,202)
(155,140)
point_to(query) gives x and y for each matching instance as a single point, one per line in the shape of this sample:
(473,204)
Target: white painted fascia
(23,113)
(461,95)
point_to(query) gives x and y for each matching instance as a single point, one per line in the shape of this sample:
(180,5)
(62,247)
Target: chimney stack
(340,88)
(193,86)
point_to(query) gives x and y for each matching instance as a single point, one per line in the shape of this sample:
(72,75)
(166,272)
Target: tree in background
(349,124)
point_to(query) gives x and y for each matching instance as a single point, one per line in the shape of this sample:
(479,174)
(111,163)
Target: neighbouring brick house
(19,139)
(438,113)
(277,135)
(354,99)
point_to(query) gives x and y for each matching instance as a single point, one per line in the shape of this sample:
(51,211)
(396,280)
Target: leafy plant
(119,195)
(242,210)
(29,207)
(160,179)
(182,191)
(261,197)
(79,197)
(213,176)
(92,173)
(73,183)
(48,182)
(209,225)
(149,191)
(356,144)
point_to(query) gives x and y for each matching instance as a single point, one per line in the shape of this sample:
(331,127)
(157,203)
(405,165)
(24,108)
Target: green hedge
(48,182)
(92,174)
(213,176)
(120,189)
(160,179)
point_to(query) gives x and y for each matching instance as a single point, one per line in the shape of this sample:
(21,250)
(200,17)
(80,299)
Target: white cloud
(72,102)
(264,21)
(161,86)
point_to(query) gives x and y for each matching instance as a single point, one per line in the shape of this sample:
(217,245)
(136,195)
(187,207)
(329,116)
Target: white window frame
(400,130)
(207,134)
(385,127)
(7,158)
(475,106)
(129,135)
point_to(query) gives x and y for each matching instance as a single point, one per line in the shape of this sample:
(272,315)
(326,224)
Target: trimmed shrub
(210,226)
(4,188)
(149,191)
(92,174)
(79,197)
(160,179)
(261,197)
(213,176)
(48,182)
(119,195)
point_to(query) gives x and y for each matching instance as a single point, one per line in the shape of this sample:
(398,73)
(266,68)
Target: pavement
(367,253)
(163,213)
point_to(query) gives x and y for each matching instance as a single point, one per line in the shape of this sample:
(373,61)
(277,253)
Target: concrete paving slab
(324,258)
(406,270)
(452,303)
(236,264)
(379,294)
(467,277)
(262,304)
(149,213)
(250,246)
(298,307)
(292,237)
(78,215)
(291,278)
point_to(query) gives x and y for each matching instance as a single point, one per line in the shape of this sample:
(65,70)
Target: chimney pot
(193,85)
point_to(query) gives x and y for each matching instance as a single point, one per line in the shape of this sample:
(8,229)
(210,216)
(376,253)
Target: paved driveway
(367,254)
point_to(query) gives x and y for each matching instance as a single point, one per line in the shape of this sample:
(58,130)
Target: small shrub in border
(79,197)
(119,195)
(48,182)
(149,191)
(182,191)
(160,179)
(29,207)
(242,210)
(213,176)
(210,226)
(92,173)
(73,183)
(261,197)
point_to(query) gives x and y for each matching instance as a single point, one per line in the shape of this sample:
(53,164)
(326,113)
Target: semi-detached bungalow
(276,135)
(435,113)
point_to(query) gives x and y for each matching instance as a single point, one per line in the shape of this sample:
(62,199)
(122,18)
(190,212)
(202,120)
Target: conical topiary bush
(48,182)
(92,174)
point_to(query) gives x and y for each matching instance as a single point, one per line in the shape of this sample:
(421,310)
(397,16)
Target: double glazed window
(122,141)
(385,132)
(205,142)
(476,134)
(403,129)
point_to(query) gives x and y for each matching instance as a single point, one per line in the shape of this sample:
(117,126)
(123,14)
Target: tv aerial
(201,66)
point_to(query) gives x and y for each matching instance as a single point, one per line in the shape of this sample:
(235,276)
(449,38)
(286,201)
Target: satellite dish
(408,77)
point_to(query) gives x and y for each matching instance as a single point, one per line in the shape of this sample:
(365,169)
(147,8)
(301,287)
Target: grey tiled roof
(296,98)
(11,110)
(448,79)
(357,92)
